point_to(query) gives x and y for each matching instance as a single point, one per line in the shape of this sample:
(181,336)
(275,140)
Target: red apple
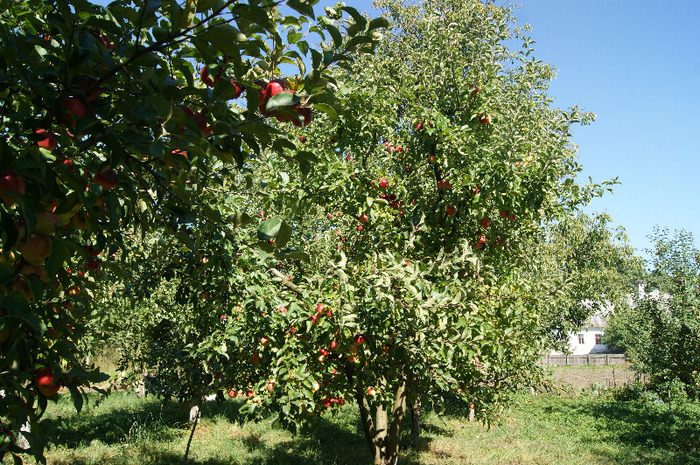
(264,340)
(255,358)
(383,182)
(364,218)
(271,386)
(307,114)
(419,126)
(46,383)
(302,139)
(485,119)
(107,179)
(10,181)
(75,109)
(474,89)
(36,250)
(504,213)
(334,345)
(450,210)
(485,222)
(249,393)
(511,216)
(232,393)
(238,87)
(360,338)
(49,140)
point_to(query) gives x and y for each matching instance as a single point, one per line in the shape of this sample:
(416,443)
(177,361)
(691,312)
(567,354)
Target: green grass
(537,430)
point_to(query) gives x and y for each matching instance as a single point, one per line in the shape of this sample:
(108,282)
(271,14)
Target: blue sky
(636,64)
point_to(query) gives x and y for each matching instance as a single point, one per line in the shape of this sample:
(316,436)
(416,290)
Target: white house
(588,340)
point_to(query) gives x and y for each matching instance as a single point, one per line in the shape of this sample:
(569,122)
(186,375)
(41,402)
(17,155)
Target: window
(580,338)
(598,338)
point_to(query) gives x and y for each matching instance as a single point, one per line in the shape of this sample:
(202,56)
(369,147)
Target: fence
(588,359)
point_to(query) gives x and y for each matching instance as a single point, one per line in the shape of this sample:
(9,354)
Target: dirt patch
(588,376)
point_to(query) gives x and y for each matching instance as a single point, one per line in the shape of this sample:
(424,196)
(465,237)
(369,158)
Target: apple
(360,338)
(364,218)
(36,250)
(264,340)
(485,222)
(107,179)
(484,118)
(249,393)
(474,89)
(46,223)
(371,391)
(450,210)
(93,265)
(307,114)
(255,358)
(383,182)
(315,386)
(419,126)
(511,216)
(238,87)
(22,286)
(432,158)
(334,345)
(75,109)
(46,383)
(232,393)
(10,181)
(271,385)
(49,140)
(37,270)
(504,213)
(302,139)
(87,83)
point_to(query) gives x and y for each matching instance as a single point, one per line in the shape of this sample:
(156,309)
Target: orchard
(356,232)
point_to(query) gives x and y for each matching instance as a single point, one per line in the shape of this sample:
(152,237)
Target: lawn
(542,429)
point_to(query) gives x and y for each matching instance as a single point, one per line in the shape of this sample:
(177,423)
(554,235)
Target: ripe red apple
(264,340)
(93,265)
(360,338)
(302,139)
(334,345)
(10,181)
(36,250)
(238,87)
(75,109)
(307,114)
(49,141)
(450,210)
(383,182)
(485,222)
(107,179)
(511,216)
(255,358)
(46,383)
(504,213)
(249,393)
(271,386)
(232,393)
(371,392)
(419,126)
(485,119)
(364,218)
(37,270)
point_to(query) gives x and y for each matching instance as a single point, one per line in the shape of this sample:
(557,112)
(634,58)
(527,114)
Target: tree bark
(415,423)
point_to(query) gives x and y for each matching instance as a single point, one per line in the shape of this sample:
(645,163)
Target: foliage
(127,119)
(591,270)
(661,332)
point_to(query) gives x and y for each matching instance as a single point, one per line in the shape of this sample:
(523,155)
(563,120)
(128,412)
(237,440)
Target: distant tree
(589,267)
(661,332)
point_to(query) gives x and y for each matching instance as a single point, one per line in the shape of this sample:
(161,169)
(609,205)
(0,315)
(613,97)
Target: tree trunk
(415,423)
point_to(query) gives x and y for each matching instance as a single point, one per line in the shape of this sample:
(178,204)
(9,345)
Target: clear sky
(636,64)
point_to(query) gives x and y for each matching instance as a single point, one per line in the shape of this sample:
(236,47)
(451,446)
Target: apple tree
(590,268)
(124,120)
(416,207)
(660,331)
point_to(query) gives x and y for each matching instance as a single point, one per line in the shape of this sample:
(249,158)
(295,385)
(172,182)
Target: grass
(544,429)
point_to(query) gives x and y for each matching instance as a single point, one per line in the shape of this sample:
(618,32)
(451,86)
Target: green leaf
(305,7)
(224,37)
(327,109)
(283,99)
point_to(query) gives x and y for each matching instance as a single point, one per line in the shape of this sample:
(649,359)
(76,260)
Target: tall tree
(125,119)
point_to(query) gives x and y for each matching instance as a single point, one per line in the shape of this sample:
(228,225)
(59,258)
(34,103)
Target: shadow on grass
(148,431)
(647,433)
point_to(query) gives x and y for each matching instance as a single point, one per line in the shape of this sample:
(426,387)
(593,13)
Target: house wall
(589,345)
